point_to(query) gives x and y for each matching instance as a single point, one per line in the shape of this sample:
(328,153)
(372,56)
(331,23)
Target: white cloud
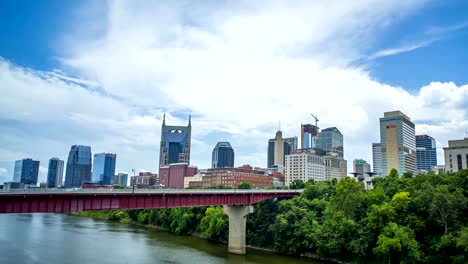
(3,172)
(238,68)
(402,49)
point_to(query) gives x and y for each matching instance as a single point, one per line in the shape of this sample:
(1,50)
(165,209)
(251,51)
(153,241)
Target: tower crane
(316,119)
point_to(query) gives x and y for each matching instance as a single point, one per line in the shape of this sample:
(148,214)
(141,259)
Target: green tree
(244,185)
(446,206)
(297,184)
(214,225)
(397,244)
(349,197)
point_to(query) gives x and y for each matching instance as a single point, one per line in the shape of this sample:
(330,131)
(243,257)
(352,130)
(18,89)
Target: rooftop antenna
(316,119)
(279,125)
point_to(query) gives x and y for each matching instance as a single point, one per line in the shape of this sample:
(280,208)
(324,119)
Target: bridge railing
(139,191)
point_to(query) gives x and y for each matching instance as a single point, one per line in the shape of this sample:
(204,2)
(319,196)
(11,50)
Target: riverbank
(105,215)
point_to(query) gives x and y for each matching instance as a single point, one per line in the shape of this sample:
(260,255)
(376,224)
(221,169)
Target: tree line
(408,219)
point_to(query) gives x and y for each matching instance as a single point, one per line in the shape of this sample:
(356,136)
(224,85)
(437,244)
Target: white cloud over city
(238,67)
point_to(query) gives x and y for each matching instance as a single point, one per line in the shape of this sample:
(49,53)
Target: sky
(103,73)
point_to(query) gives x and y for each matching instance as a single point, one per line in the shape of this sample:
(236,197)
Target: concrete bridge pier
(237,224)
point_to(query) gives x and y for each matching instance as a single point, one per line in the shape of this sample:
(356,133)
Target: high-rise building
(26,171)
(456,155)
(377,158)
(104,168)
(172,176)
(278,148)
(175,144)
(398,141)
(331,140)
(335,168)
(361,167)
(78,166)
(304,165)
(309,135)
(55,173)
(223,155)
(426,154)
(121,179)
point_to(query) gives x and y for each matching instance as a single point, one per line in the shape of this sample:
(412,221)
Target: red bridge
(61,201)
(237,203)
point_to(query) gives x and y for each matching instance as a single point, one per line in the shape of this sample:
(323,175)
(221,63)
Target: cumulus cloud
(238,67)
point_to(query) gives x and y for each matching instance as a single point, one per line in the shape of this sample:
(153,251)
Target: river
(69,239)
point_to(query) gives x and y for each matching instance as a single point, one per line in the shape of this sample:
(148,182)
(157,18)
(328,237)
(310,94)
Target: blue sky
(103,73)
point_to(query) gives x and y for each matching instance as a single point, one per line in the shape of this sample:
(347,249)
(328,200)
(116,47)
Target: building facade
(426,154)
(223,155)
(55,173)
(377,158)
(121,179)
(456,155)
(361,167)
(26,171)
(175,144)
(172,176)
(309,135)
(78,166)
(278,148)
(331,140)
(145,180)
(398,143)
(104,168)
(233,177)
(335,168)
(304,166)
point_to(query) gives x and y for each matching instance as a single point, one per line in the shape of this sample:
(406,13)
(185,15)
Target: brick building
(172,176)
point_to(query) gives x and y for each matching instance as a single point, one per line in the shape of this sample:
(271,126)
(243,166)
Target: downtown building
(173,175)
(121,179)
(104,168)
(55,173)
(231,177)
(361,167)
(398,143)
(223,155)
(331,141)
(377,158)
(278,148)
(175,144)
(309,135)
(426,154)
(145,180)
(456,155)
(304,165)
(26,172)
(78,167)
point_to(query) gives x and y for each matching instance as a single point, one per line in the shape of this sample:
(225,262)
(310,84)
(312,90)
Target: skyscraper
(26,171)
(331,140)
(104,168)
(55,173)
(121,179)
(398,141)
(175,144)
(278,148)
(309,135)
(426,155)
(223,155)
(361,167)
(456,155)
(377,158)
(78,166)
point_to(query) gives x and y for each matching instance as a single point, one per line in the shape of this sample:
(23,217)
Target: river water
(69,239)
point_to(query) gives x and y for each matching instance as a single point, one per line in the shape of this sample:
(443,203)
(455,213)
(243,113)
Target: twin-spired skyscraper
(175,144)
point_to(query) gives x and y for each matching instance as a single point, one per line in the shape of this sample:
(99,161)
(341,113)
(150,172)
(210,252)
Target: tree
(349,197)
(214,225)
(244,185)
(446,206)
(397,244)
(297,184)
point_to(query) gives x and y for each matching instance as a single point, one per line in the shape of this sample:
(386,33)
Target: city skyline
(89,84)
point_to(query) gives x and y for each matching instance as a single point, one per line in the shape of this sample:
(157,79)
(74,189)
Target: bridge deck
(63,201)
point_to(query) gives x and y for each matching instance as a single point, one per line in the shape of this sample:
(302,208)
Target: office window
(459,162)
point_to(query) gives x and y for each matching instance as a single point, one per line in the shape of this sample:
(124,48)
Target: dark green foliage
(404,219)
(244,185)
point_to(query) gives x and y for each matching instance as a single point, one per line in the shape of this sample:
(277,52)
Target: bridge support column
(237,223)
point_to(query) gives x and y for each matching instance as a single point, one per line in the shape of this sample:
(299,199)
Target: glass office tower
(78,166)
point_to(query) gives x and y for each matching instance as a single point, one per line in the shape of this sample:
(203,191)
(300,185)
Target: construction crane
(316,119)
